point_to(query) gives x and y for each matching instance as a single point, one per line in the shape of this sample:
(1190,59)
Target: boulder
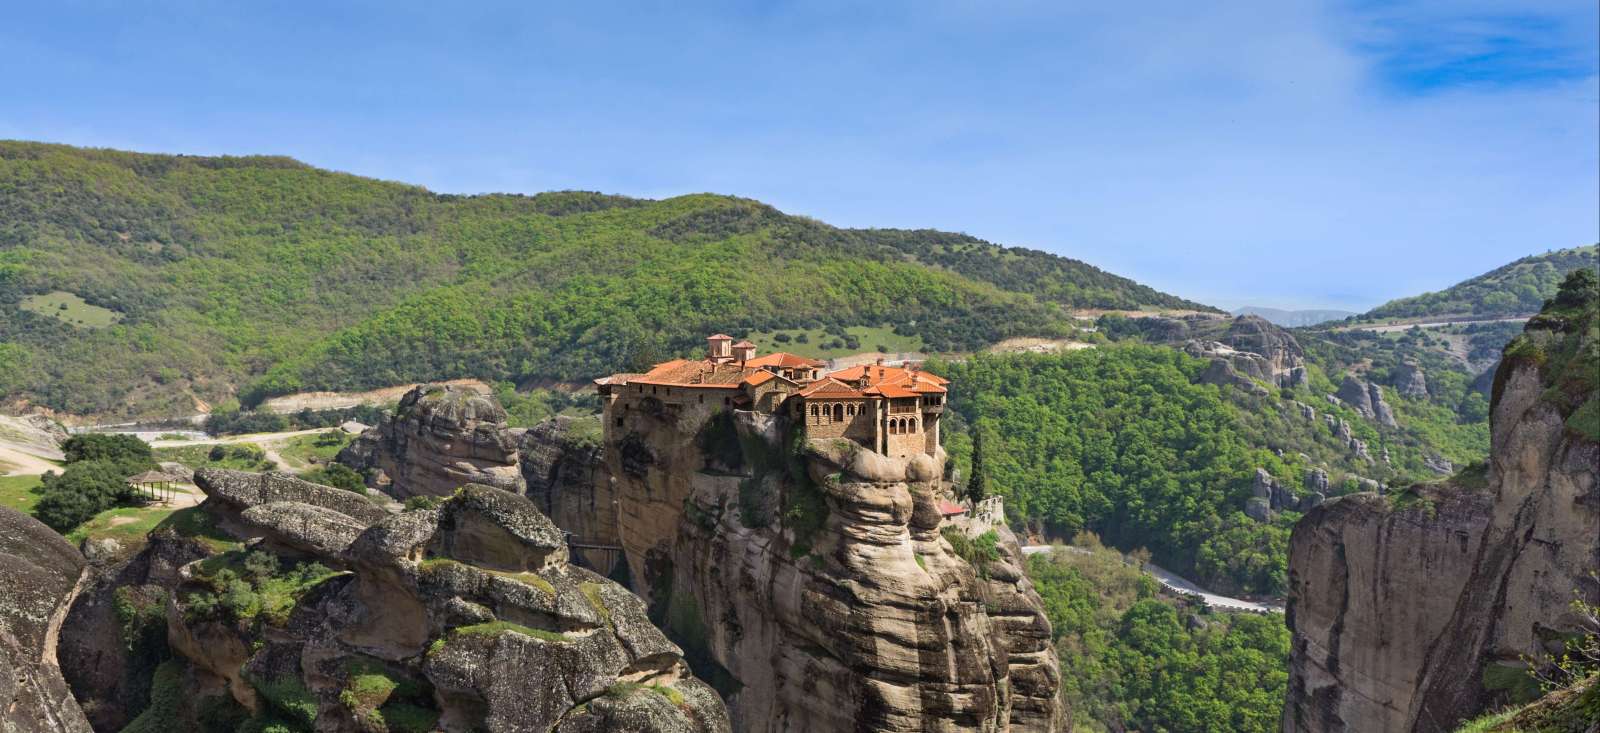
(291,527)
(439,438)
(1316,480)
(232,492)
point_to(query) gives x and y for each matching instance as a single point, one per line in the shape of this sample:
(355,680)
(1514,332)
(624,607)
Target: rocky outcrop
(1223,373)
(1366,399)
(1409,380)
(439,438)
(40,575)
(107,655)
(1285,360)
(467,614)
(814,582)
(1399,604)
(567,478)
(289,514)
(1269,495)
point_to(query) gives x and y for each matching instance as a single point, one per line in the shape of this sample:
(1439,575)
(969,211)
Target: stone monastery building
(892,410)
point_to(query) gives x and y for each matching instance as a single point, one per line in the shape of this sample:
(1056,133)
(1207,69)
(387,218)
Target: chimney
(744,351)
(717,347)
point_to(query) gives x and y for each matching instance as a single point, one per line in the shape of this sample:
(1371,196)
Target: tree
(120,447)
(978,484)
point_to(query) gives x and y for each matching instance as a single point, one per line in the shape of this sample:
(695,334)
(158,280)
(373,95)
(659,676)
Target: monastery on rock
(891,410)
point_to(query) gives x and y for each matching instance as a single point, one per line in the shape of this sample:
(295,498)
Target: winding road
(1180,585)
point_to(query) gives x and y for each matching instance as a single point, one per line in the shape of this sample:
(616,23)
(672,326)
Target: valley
(712,554)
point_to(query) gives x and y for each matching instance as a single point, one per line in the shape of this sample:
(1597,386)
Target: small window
(619,422)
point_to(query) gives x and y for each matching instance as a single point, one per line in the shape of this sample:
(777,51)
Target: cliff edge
(1409,611)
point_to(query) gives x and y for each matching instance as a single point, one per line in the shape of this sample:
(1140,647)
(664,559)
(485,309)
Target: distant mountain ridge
(1293,318)
(1516,289)
(135,284)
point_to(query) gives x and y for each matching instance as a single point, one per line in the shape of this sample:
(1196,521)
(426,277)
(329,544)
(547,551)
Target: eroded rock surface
(1399,604)
(438,438)
(567,477)
(469,612)
(813,585)
(39,578)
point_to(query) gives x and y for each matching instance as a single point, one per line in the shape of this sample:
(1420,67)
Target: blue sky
(1296,154)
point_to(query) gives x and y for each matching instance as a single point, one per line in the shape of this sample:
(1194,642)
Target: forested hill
(133,283)
(1517,289)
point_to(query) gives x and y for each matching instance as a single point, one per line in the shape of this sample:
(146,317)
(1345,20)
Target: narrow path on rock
(1179,584)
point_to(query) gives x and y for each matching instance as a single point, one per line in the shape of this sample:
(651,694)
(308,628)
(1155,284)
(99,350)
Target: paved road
(1390,327)
(1178,584)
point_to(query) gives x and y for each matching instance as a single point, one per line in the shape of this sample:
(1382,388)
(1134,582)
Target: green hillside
(1517,289)
(132,283)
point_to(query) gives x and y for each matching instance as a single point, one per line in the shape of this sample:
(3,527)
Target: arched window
(813,410)
(838,412)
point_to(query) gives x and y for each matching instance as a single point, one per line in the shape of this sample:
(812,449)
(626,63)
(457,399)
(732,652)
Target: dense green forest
(1122,441)
(1134,660)
(134,283)
(1517,289)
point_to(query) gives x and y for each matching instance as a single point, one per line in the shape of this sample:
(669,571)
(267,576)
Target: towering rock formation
(438,438)
(812,579)
(40,574)
(1399,604)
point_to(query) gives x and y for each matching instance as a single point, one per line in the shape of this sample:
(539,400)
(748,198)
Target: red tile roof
(949,509)
(914,381)
(830,387)
(719,337)
(785,360)
(761,376)
(694,373)
(744,344)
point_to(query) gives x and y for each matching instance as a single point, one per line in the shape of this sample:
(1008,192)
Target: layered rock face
(1398,604)
(567,478)
(438,438)
(813,581)
(40,575)
(467,615)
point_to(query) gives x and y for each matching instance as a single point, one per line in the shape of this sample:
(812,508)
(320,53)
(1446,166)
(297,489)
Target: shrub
(338,476)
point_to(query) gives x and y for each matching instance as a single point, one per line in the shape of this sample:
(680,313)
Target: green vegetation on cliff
(265,276)
(1517,289)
